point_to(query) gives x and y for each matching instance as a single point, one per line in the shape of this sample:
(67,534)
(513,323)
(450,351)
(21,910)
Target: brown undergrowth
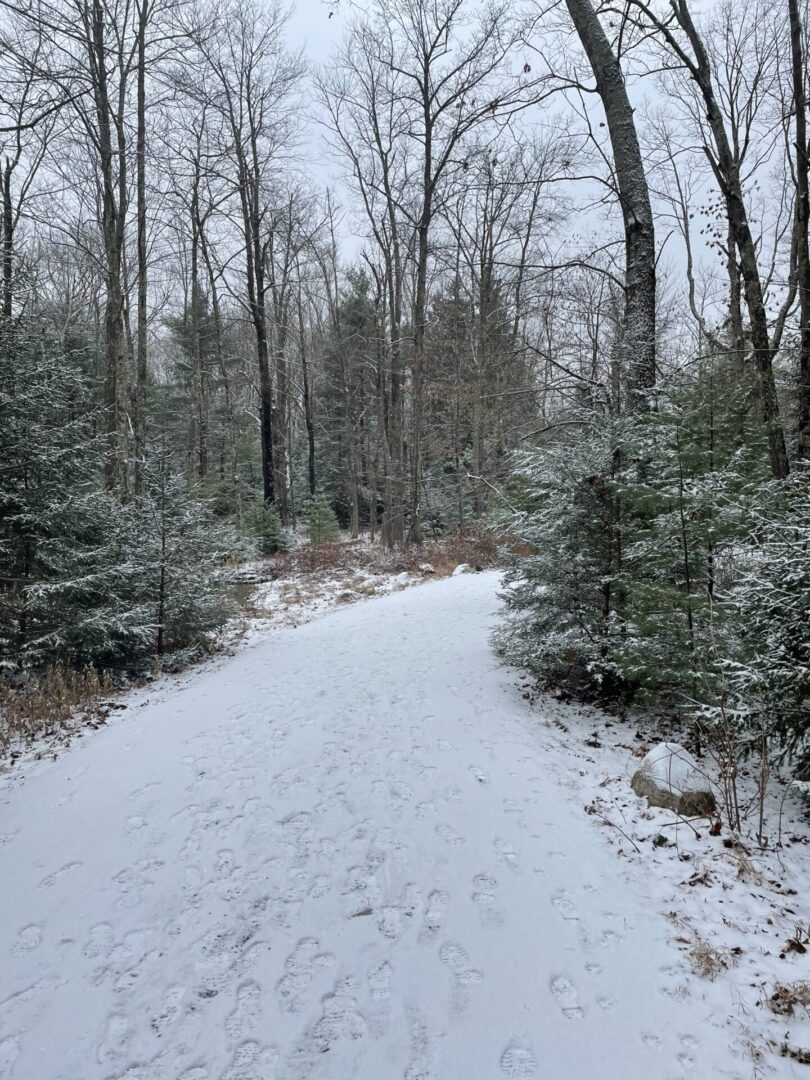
(477,547)
(51,705)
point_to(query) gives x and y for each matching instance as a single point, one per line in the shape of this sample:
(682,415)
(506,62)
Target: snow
(355,850)
(674,769)
(299,597)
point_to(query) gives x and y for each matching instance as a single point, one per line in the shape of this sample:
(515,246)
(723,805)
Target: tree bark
(802,222)
(8,241)
(140,183)
(112,164)
(308,416)
(638,331)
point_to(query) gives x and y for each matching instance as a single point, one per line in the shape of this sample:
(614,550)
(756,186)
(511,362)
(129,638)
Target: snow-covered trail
(339,854)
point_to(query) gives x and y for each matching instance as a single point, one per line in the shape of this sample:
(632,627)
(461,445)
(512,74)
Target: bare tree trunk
(198,427)
(280,410)
(638,331)
(114,194)
(735,319)
(254,257)
(141,355)
(802,222)
(8,241)
(230,422)
(727,173)
(308,417)
(419,318)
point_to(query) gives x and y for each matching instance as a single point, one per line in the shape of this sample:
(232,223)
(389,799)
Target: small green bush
(322,525)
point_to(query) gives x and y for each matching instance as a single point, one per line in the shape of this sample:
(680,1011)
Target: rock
(426,568)
(462,568)
(670,777)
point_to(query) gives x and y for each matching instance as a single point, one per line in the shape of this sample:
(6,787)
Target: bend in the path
(340,854)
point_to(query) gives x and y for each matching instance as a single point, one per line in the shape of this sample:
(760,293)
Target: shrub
(322,525)
(263,522)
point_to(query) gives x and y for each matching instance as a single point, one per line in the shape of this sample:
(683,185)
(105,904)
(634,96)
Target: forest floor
(360,848)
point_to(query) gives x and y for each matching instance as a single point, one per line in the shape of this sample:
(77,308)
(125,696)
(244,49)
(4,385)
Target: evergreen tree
(85,578)
(632,523)
(765,678)
(263,522)
(322,524)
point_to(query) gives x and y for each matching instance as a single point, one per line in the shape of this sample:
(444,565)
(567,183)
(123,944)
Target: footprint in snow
(301,967)
(379,984)
(508,853)
(170,1011)
(379,981)
(686,1057)
(57,875)
(116,1039)
(434,916)
(246,1014)
(484,899)
(449,834)
(518,1061)
(251,1062)
(28,939)
(565,907)
(567,997)
(456,959)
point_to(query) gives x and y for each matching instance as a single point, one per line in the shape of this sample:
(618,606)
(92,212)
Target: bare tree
(249,79)
(638,332)
(684,41)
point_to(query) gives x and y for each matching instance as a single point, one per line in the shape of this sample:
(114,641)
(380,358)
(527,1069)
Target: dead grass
(709,961)
(50,705)
(477,547)
(788,997)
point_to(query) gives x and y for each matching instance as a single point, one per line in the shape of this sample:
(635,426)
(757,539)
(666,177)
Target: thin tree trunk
(198,434)
(308,417)
(802,222)
(727,174)
(8,241)
(141,356)
(113,212)
(735,319)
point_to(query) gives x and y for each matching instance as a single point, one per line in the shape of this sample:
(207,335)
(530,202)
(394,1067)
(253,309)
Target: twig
(629,839)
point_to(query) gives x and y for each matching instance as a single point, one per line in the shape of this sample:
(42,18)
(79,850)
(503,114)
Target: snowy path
(339,854)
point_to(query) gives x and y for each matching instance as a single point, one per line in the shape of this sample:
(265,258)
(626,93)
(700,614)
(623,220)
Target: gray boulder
(670,777)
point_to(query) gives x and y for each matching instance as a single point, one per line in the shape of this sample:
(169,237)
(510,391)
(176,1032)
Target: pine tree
(263,522)
(766,675)
(322,525)
(85,578)
(632,523)
(562,595)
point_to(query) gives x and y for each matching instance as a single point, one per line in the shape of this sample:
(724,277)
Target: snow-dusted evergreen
(665,567)
(87,577)
(322,525)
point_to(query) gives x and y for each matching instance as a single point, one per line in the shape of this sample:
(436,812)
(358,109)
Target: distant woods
(374,283)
